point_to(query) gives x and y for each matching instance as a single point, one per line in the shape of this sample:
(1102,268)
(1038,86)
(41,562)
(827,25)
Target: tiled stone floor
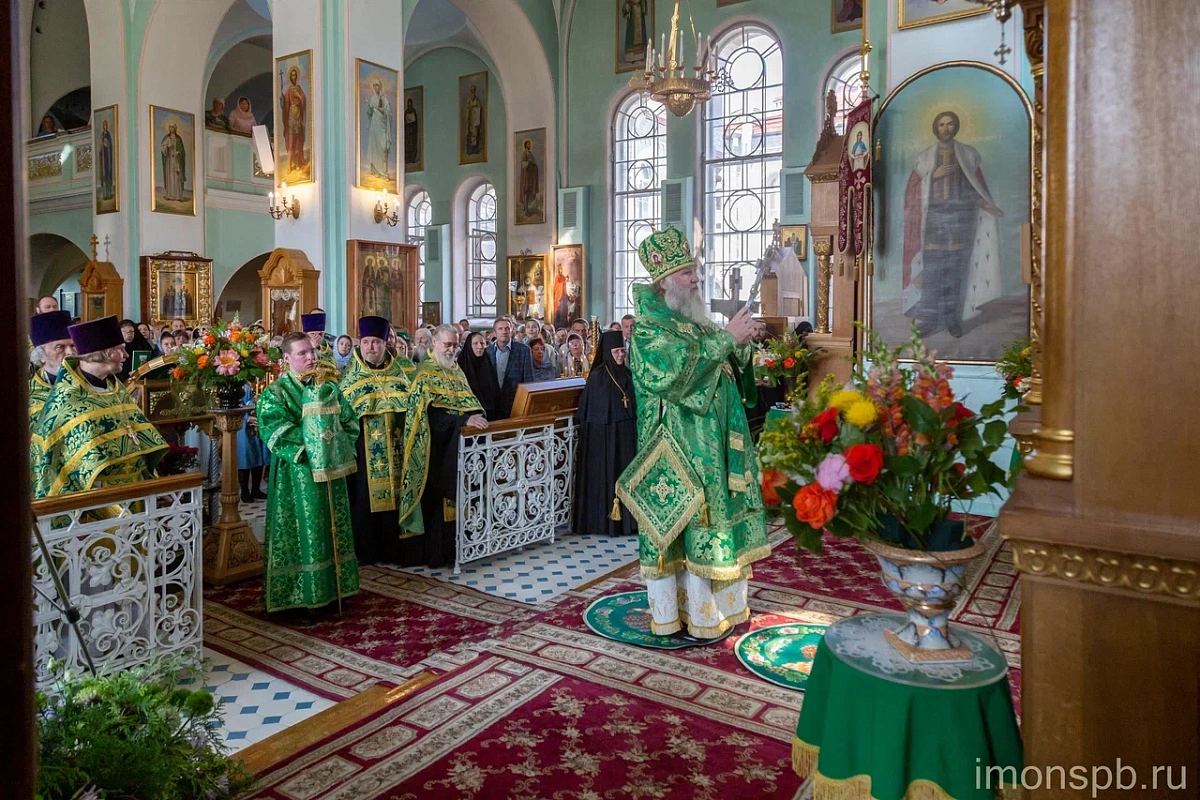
(256,705)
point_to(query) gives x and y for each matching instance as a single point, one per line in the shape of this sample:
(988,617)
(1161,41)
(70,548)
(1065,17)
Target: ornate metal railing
(128,558)
(515,484)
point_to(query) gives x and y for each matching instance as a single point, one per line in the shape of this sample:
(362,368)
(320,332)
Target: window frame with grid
(844,79)
(479,230)
(415,231)
(748,180)
(636,212)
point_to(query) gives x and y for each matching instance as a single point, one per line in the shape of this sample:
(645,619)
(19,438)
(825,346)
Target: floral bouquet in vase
(785,359)
(224,360)
(882,460)
(1016,367)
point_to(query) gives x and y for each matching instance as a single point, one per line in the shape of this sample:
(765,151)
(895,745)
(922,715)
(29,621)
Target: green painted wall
(593,89)
(73,224)
(438,72)
(233,238)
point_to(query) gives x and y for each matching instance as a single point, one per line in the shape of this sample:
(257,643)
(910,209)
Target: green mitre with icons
(665,252)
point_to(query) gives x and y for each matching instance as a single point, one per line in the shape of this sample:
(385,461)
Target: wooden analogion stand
(231,553)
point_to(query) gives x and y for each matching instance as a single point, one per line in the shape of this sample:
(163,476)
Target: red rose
(769,364)
(789,362)
(826,424)
(961,412)
(960,469)
(771,480)
(815,505)
(865,461)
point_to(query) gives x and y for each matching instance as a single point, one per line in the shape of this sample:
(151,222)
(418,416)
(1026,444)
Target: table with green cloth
(875,726)
(775,412)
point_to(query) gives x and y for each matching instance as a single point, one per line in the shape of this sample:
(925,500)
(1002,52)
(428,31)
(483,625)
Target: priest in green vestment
(90,433)
(703,524)
(314,325)
(310,430)
(440,404)
(375,384)
(51,344)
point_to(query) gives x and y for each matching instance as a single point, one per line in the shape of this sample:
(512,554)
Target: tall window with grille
(419,214)
(481,252)
(741,159)
(844,82)
(639,163)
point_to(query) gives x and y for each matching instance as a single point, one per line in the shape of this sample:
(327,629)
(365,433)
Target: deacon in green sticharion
(310,430)
(375,384)
(694,485)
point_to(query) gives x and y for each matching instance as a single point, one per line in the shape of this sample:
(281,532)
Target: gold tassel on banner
(615,514)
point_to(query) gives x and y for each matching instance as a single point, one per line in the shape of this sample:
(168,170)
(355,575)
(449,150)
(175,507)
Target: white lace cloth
(859,642)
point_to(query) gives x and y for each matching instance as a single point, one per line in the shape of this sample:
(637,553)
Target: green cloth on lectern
(300,563)
(855,725)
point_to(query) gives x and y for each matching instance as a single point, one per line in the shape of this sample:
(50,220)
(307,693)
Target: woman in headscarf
(481,373)
(607,423)
(241,119)
(343,352)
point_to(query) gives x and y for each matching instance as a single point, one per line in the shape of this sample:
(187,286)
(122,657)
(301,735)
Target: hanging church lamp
(667,79)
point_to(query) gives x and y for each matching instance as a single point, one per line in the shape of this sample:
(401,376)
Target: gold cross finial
(95,245)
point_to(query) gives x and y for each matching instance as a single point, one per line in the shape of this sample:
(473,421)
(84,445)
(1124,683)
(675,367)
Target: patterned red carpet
(531,704)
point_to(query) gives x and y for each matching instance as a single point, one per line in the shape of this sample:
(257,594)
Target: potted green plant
(882,460)
(134,734)
(224,360)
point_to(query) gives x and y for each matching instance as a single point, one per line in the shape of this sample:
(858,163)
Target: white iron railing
(515,484)
(128,558)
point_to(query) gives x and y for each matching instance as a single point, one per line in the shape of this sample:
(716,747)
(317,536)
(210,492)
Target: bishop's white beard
(420,352)
(686,300)
(446,361)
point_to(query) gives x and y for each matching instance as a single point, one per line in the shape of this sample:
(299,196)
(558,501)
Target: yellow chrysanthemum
(842,400)
(861,413)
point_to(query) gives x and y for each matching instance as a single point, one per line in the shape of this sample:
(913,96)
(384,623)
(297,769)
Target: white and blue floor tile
(256,705)
(540,572)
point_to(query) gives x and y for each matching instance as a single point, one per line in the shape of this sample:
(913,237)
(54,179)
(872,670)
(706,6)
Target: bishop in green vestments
(90,433)
(309,428)
(694,556)
(375,384)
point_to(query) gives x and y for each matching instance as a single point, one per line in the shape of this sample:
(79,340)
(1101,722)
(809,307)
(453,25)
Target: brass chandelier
(667,80)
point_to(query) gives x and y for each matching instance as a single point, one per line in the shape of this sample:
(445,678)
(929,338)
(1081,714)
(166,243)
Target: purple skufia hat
(373,326)
(99,334)
(50,327)
(313,322)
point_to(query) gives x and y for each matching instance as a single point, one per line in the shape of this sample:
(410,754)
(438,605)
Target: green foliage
(133,735)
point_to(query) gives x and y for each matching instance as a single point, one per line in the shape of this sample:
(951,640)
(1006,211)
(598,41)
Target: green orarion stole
(330,450)
(378,397)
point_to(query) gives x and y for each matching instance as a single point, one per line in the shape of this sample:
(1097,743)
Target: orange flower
(177,373)
(202,362)
(815,505)
(772,479)
(789,362)
(210,340)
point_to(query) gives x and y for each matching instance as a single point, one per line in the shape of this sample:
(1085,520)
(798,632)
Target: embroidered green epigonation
(378,397)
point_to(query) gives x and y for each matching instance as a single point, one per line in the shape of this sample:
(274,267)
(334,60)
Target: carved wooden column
(823,246)
(1034,15)
(231,553)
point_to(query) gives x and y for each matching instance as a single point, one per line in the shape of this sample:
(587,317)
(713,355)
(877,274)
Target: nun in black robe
(607,424)
(481,376)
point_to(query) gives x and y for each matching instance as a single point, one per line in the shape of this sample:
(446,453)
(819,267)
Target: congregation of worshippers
(353,438)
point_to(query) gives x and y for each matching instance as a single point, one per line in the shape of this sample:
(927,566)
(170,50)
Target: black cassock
(607,424)
(436,547)
(376,535)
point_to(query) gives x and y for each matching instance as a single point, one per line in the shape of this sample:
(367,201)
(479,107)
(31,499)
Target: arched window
(420,212)
(741,159)
(639,163)
(481,252)
(847,88)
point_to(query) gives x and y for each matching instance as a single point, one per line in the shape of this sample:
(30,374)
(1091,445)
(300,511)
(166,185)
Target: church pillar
(333,208)
(115,229)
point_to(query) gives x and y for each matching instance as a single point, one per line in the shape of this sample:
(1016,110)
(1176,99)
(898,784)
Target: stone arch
(242,293)
(53,259)
(513,45)
(54,74)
